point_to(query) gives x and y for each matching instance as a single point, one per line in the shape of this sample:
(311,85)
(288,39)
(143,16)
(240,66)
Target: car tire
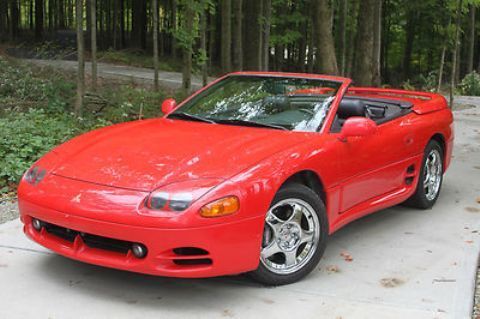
(296,226)
(431,177)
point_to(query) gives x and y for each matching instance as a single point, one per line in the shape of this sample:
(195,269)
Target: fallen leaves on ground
(391,282)
(346,256)
(472,209)
(333,269)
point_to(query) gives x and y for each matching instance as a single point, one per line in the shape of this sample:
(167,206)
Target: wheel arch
(311,180)
(438,137)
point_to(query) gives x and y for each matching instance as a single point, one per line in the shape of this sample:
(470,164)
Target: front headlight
(35,175)
(177,197)
(176,202)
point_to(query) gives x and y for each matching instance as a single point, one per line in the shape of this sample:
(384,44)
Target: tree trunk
(362,69)
(81,61)
(100,25)
(260,35)
(455,50)
(410,30)
(226,52)
(459,59)
(267,13)
(93,35)
(471,42)
(440,71)
(60,14)
(122,24)
(237,35)
(187,52)
(70,13)
(116,7)
(174,28)
(311,47)
(326,58)
(161,31)
(377,44)
(211,41)
(251,35)
(88,12)
(31,11)
(14,19)
(351,39)
(139,24)
(3,19)
(302,53)
(155,42)
(342,35)
(203,46)
(50,15)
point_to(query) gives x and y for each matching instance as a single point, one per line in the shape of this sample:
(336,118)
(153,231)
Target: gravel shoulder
(8,210)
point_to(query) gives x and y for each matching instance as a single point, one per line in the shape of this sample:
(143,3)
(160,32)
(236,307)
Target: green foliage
(36,113)
(126,103)
(429,83)
(26,137)
(21,88)
(187,37)
(470,84)
(407,85)
(287,20)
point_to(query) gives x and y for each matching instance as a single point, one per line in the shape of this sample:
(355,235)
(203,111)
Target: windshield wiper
(191,117)
(250,123)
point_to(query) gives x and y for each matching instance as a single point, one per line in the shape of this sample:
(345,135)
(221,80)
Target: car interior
(378,110)
(297,107)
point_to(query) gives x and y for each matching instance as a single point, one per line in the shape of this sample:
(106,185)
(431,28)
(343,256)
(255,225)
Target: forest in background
(392,42)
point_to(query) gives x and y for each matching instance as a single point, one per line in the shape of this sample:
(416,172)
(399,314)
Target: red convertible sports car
(250,174)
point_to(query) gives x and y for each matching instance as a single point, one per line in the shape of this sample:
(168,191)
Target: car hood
(145,155)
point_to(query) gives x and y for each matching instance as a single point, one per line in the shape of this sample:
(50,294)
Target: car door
(374,165)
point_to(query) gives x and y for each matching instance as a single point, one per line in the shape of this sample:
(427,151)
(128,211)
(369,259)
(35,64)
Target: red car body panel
(97,183)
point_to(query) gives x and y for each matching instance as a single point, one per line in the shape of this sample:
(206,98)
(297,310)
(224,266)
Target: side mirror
(357,127)
(168,106)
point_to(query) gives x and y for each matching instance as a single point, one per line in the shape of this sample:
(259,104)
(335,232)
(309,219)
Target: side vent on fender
(410,175)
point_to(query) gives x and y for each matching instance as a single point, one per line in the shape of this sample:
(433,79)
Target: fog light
(37,225)
(139,250)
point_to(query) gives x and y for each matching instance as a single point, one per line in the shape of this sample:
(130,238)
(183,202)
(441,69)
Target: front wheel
(294,238)
(430,179)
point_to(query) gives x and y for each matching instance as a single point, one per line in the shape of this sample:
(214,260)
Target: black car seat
(348,108)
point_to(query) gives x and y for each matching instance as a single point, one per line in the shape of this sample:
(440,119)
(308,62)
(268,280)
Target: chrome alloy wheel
(432,175)
(291,236)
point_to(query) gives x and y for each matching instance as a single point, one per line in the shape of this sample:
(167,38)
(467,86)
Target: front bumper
(231,248)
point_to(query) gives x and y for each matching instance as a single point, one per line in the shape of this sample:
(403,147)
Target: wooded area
(394,42)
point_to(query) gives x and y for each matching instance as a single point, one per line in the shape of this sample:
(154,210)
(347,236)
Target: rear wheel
(431,178)
(294,238)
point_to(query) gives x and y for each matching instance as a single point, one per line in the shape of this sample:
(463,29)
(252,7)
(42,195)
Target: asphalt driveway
(397,263)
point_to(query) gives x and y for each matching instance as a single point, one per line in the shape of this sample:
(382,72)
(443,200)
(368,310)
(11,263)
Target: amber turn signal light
(221,207)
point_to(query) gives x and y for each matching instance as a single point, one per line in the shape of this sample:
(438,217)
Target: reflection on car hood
(144,155)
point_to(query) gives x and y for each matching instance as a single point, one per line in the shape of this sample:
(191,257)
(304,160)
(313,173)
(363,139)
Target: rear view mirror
(168,106)
(356,127)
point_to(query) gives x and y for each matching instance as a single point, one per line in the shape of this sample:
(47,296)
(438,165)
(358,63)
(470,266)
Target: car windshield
(296,104)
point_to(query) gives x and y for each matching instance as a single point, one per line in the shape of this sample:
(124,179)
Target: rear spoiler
(423,102)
